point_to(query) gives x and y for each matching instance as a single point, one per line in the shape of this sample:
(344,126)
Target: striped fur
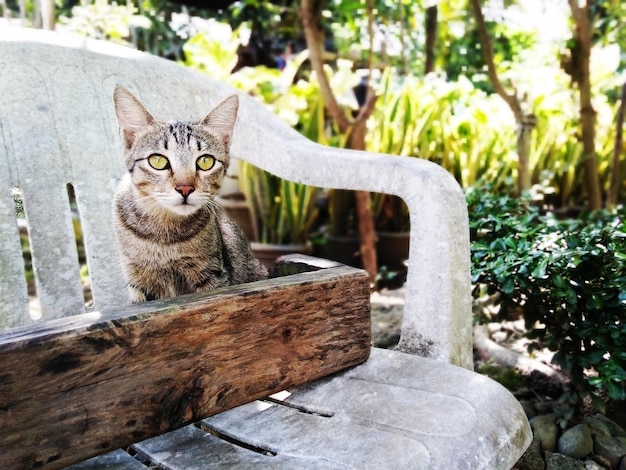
(172,236)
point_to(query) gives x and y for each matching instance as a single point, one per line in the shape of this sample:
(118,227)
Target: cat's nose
(185,189)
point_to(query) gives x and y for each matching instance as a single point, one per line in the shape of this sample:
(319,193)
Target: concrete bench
(108,375)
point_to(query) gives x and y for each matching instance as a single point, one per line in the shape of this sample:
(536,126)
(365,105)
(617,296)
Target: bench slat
(85,385)
(190,448)
(95,163)
(422,416)
(13,290)
(41,172)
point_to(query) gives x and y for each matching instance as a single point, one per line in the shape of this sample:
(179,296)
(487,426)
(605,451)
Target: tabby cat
(172,236)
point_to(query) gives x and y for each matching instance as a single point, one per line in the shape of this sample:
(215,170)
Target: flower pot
(344,249)
(267,253)
(392,249)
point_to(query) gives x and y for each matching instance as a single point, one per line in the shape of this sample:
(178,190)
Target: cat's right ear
(131,114)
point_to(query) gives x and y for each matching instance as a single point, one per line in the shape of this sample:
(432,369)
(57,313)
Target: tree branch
(310,16)
(310,12)
(577,13)
(485,44)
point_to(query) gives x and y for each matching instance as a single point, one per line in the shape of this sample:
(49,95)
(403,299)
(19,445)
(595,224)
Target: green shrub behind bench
(568,278)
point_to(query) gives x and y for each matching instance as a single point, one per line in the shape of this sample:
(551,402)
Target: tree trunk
(367,234)
(431,38)
(588,123)
(311,14)
(613,195)
(37,15)
(582,36)
(47,14)
(524,136)
(525,121)
(22,10)
(401,20)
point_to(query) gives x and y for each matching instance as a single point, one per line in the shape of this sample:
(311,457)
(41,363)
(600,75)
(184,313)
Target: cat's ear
(131,114)
(221,119)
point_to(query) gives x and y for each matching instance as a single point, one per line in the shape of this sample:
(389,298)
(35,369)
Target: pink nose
(185,189)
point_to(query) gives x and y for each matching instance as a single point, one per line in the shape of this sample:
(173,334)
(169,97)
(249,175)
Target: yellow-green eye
(205,162)
(158,162)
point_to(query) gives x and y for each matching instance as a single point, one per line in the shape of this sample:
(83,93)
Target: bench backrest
(58,128)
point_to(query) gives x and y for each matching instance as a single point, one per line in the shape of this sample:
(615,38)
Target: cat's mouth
(185,208)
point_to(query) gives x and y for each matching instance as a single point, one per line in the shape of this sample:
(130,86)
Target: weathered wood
(72,388)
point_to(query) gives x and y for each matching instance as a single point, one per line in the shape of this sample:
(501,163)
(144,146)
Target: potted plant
(342,240)
(391,221)
(283,213)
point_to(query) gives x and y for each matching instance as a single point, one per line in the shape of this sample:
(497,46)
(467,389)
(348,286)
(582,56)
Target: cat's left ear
(221,119)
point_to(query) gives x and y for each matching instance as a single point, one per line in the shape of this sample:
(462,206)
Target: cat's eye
(158,162)
(205,162)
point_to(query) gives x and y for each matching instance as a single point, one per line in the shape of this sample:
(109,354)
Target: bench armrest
(437,315)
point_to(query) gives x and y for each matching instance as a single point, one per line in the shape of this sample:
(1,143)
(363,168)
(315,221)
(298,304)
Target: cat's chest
(201,251)
(175,269)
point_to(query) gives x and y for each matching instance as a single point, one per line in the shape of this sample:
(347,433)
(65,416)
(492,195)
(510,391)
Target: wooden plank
(72,388)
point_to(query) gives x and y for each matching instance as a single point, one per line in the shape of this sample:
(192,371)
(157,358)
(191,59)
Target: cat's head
(176,166)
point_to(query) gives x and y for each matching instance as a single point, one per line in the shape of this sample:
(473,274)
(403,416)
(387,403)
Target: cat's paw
(136,295)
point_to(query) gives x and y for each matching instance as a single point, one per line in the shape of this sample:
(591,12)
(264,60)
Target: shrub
(567,277)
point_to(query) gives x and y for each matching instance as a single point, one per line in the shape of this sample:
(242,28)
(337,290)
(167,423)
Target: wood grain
(77,387)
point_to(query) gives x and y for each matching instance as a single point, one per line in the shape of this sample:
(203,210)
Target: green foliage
(101,20)
(463,56)
(454,124)
(283,212)
(505,376)
(213,52)
(473,135)
(568,277)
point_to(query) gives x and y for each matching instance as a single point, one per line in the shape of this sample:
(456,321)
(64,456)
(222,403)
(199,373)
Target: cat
(173,237)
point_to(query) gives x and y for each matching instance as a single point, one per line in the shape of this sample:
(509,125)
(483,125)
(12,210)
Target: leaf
(540,271)
(559,281)
(615,391)
(509,286)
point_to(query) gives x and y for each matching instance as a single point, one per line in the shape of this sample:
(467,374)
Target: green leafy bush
(567,277)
